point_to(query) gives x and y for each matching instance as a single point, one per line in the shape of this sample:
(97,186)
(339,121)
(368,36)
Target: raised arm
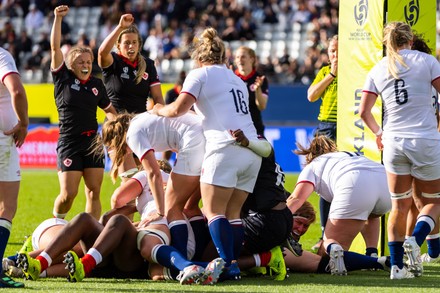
(55,36)
(105,57)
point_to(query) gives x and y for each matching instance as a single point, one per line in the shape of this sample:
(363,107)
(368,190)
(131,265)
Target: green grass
(39,189)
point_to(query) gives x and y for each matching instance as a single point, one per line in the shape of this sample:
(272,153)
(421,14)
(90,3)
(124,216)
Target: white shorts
(232,166)
(153,232)
(189,158)
(9,161)
(360,193)
(46,224)
(419,157)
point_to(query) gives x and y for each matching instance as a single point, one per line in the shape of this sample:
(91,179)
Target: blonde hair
(395,35)
(251,53)
(142,65)
(320,145)
(74,52)
(164,165)
(306,211)
(209,49)
(114,134)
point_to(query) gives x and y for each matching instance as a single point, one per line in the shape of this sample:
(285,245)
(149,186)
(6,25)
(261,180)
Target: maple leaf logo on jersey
(95,91)
(145,76)
(67,162)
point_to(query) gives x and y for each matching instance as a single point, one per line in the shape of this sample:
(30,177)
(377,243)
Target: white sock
(95,254)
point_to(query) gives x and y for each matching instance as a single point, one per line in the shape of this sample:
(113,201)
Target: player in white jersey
(146,134)
(409,140)
(229,171)
(355,186)
(13,130)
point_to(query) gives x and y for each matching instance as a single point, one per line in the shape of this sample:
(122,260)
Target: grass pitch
(39,189)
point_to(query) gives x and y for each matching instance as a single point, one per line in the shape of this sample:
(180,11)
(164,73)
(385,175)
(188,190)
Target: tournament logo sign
(420,15)
(361,12)
(360,48)
(412,11)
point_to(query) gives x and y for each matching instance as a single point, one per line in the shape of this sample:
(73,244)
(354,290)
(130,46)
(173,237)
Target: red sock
(43,262)
(89,263)
(265,258)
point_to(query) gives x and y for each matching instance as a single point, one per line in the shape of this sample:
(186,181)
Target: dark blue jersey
(122,89)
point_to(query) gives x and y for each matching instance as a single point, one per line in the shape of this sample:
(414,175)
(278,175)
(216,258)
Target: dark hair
(181,79)
(420,44)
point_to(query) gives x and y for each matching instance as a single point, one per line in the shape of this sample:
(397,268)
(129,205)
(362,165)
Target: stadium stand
(285,32)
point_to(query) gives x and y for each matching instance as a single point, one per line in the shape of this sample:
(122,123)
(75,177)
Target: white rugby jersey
(151,132)
(407,101)
(222,100)
(8,119)
(145,203)
(324,171)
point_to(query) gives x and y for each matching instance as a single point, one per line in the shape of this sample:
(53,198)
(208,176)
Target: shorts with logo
(76,156)
(9,160)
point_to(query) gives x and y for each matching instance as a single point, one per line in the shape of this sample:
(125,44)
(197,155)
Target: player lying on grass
(118,242)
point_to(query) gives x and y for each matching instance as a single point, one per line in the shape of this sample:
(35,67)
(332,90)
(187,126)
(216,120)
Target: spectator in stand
(230,32)
(34,20)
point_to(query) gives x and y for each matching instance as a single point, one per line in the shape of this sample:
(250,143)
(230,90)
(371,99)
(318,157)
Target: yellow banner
(360,48)
(420,15)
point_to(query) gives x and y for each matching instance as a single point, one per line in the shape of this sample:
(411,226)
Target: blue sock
(238,232)
(13,257)
(370,250)
(356,261)
(179,236)
(169,257)
(329,247)
(396,253)
(433,243)
(5,231)
(423,227)
(223,238)
(201,233)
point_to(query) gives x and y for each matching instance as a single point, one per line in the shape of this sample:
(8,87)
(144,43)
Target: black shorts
(265,230)
(76,156)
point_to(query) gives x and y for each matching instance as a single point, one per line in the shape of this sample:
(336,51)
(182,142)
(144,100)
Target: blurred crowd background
(289,36)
